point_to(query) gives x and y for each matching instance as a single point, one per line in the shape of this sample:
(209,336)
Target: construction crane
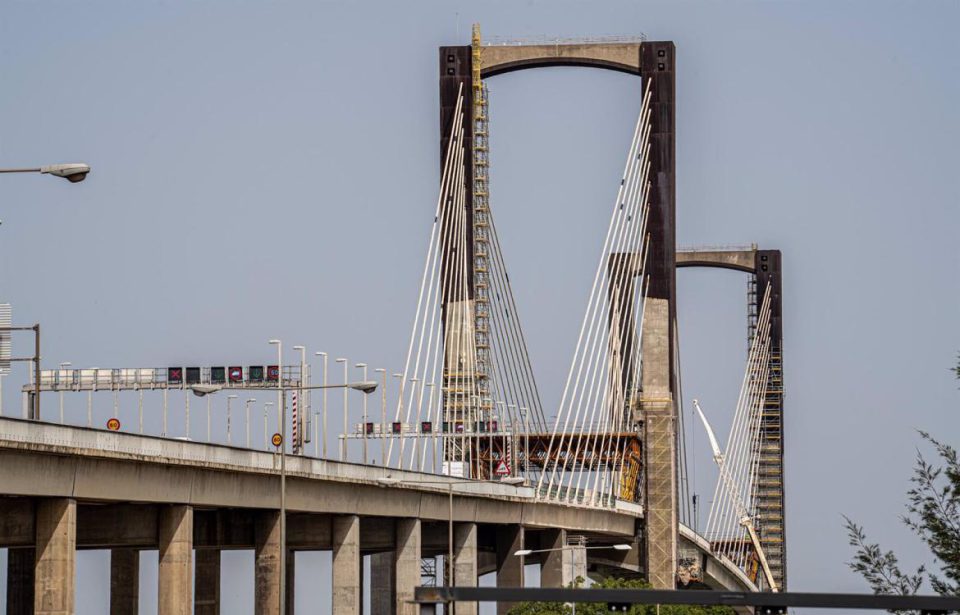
(745,519)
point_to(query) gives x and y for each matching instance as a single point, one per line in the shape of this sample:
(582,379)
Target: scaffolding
(767,493)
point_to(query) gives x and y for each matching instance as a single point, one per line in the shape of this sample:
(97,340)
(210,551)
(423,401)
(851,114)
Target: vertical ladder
(481,228)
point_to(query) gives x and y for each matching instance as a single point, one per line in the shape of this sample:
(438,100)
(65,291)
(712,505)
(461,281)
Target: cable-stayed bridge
(607,467)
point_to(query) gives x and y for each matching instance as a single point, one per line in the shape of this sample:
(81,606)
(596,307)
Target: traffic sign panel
(113,424)
(502,468)
(277,439)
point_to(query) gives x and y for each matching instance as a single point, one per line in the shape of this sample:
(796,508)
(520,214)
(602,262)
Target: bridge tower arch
(654,63)
(765,270)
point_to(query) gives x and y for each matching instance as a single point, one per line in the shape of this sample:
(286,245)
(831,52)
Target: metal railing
(497,41)
(719,248)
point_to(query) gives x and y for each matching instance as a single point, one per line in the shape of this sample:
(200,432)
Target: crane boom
(730,485)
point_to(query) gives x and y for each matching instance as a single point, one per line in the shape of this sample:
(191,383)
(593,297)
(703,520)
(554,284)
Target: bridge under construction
(460,471)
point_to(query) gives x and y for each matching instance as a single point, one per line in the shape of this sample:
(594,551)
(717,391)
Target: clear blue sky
(269,169)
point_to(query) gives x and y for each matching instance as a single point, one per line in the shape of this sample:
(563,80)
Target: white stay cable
(457,122)
(585,349)
(600,267)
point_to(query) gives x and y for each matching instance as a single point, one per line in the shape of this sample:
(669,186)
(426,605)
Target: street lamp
(343,442)
(63,366)
(582,545)
(246,405)
(365,387)
(383,417)
(229,437)
(363,366)
(266,427)
(323,435)
(390,481)
(73,172)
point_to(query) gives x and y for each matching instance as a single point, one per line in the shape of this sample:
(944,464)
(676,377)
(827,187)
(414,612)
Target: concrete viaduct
(69,488)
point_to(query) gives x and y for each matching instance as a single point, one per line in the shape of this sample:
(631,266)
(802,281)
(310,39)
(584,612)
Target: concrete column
(266,590)
(206,582)
(465,563)
(290,580)
(552,571)
(383,594)
(56,557)
(362,582)
(124,581)
(346,565)
(509,567)
(20,563)
(407,565)
(175,593)
(660,435)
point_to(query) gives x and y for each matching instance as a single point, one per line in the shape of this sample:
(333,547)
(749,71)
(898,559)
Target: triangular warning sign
(502,469)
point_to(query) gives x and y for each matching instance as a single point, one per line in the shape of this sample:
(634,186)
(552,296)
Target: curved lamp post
(73,172)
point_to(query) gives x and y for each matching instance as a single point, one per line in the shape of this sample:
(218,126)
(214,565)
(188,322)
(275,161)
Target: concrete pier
(124,581)
(407,565)
(291,576)
(20,563)
(175,594)
(659,416)
(206,584)
(552,571)
(266,590)
(346,565)
(383,594)
(510,539)
(56,557)
(465,562)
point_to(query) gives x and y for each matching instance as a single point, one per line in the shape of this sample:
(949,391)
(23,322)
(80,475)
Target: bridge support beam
(56,557)
(20,580)
(465,562)
(407,565)
(347,591)
(510,539)
(266,587)
(124,581)
(175,593)
(206,584)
